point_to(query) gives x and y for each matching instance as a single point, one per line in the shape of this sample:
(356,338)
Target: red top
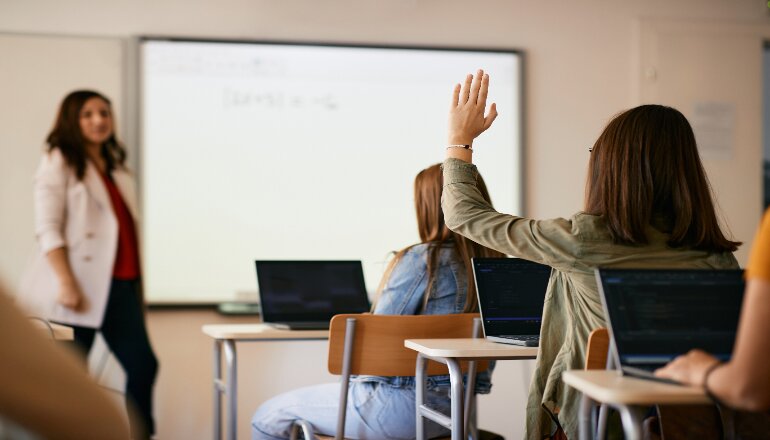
(127,259)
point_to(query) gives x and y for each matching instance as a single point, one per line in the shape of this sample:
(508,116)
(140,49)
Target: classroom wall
(584,64)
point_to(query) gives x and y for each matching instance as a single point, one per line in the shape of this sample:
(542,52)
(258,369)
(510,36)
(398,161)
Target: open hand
(466,113)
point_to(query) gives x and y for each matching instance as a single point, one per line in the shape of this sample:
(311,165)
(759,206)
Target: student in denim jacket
(429,278)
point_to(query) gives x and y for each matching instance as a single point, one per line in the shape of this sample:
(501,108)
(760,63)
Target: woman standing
(87,274)
(648,205)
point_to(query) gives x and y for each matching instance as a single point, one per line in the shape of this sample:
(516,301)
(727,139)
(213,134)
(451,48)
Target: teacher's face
(95,121)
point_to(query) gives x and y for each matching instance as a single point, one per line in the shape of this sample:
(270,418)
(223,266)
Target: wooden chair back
(596,351)
(378,345)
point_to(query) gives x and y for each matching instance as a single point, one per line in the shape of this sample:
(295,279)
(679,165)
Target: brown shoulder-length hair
(645,164)
(428,186)
(67,137)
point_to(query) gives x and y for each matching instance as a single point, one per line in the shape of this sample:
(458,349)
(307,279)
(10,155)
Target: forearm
(743,382)
(740,389)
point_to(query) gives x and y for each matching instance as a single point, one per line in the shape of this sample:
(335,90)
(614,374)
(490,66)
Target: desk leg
(230,389)
(419,398)
(217,389)
(456,381)
(587,430)
(632,418)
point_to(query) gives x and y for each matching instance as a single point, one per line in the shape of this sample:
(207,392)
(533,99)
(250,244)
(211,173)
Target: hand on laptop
(689,369)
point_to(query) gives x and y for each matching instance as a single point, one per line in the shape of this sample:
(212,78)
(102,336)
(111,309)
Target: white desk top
(470,348)
(260,332)
(609,386)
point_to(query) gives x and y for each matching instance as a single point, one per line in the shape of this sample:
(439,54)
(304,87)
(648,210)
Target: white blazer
(78,215)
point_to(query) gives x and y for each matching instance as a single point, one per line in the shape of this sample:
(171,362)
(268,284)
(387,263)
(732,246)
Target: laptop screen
(656,315)
(511,293)
(310,291)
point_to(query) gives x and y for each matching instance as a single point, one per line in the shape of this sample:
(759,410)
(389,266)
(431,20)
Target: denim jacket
(403,295)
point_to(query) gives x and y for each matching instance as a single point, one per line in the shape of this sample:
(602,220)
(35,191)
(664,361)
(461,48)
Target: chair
(366,344)
(597,349)
(597,358)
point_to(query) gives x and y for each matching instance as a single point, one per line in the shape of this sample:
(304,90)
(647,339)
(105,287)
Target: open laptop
(304,295)
(655,315)
(511,294)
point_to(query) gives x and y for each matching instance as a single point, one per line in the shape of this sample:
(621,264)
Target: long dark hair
(428,186)
(67,137)
(645,164)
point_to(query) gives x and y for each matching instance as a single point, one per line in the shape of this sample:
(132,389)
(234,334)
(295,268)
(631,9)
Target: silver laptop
(654,316)
(304,295)
(511,293)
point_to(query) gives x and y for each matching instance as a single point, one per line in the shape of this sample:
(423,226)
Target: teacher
(87,273)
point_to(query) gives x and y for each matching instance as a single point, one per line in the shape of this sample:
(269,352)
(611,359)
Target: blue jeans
(375,411)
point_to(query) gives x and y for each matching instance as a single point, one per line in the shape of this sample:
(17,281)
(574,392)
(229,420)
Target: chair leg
(308,432)
(601,430)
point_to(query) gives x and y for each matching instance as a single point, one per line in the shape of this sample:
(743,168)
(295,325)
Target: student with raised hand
(45,391)
(433,277)
(648,204)
(741,383)
(87,272)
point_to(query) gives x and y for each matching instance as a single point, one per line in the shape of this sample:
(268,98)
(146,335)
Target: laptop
(511,293)
(654,316)
(304,295)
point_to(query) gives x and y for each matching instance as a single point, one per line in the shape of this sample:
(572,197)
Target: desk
(451,352)
(630,396)
(226,335)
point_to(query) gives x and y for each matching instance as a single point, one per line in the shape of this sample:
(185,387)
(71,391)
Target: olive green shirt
(573,248)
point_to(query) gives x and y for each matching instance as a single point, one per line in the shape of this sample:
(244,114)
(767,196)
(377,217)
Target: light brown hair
(428,186)
(644,165)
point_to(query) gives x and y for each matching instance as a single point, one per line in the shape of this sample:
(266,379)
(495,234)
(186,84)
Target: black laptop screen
(656,315)
(511,293)
(310,291)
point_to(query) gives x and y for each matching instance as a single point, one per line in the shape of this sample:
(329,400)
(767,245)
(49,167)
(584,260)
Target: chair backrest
(596,351)
(378,344)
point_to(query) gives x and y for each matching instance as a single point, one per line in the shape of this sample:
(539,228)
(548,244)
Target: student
(741,383)
(648,205)
(45,391)
(430,278)
(87,273)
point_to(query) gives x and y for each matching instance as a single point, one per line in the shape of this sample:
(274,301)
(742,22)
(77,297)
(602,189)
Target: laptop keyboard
(520,338)
(528,341)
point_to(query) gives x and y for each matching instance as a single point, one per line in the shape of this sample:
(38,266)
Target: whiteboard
(37,71)
(284,151)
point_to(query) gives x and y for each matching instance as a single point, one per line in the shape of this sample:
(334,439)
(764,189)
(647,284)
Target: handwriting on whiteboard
(233,99)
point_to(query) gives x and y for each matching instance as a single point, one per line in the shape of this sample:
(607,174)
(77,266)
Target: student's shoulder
(416,252)
(589,227)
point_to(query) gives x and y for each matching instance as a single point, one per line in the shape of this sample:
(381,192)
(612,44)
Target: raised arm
(467,213)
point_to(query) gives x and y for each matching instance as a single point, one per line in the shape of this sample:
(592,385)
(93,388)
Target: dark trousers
(124,331)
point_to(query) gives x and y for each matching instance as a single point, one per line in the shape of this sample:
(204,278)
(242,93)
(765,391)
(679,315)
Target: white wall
(582,66)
